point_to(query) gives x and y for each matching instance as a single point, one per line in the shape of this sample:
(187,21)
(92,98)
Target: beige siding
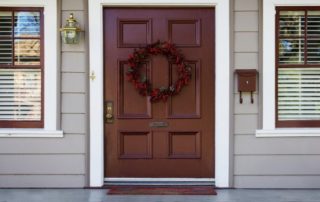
(42,164)
(246,108)
(73,5)
(304,181)
(44,181)
(245,123)
(246,60)
(73,82)
(69,144)
(291,162)
(246,42)
(246,5)
(74,123)
(74,93)
(73,103)
(246,21)
(73,62)
(56,162)
(245,56)
(277,165)
(276,146)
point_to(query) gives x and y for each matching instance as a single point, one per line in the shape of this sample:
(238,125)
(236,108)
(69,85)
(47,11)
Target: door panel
(128,96)
(163,139)
(187,104)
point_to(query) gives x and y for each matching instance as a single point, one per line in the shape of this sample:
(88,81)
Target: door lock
(109,112)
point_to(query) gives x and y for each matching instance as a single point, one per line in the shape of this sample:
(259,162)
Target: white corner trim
(269,11)
(27,133)
(50,52)
(222,84)
(289,132)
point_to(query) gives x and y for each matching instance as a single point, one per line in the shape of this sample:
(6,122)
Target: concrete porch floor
(99,195)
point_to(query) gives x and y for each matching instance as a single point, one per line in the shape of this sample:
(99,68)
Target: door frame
(222,83)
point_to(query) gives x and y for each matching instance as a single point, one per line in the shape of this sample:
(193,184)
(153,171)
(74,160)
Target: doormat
(168,190)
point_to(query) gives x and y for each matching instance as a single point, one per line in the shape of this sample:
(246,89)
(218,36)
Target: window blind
(299,94)
(5,44)
(291,33)
(314,37)
(298,83)
(20,94)
(21,68)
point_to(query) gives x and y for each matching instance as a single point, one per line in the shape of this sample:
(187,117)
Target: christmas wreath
(143,85)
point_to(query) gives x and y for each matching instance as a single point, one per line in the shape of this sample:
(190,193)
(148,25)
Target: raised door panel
(184,145)
(128,97)
(187,104)
(134,32)
(135,145)
(185,32)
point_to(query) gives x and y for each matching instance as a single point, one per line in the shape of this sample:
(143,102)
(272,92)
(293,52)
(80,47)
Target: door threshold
(160,181)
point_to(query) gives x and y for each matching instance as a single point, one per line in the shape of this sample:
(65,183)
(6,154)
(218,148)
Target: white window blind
(20,94)
(299,94)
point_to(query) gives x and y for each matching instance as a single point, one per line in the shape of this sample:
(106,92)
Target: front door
(163,139)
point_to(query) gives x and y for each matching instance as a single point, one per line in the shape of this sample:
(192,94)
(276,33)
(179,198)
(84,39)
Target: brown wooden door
(185,148)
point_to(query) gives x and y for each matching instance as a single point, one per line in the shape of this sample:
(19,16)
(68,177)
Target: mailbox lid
(247,80)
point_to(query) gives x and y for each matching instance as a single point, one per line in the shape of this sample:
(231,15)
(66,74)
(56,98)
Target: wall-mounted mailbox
(247,81)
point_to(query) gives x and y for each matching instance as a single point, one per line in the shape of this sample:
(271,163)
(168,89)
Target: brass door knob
(109,112)
(109,116)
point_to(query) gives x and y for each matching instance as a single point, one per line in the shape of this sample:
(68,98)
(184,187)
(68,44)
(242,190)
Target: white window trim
(222,83)
(50,68)
(29,133)
(269,11)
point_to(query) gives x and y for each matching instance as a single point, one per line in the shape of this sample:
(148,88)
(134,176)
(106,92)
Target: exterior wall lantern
(70,33)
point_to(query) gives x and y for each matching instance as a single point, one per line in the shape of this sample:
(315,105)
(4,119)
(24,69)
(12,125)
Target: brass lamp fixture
(70,33)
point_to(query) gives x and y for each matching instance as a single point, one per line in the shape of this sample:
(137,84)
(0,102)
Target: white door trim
(222,82)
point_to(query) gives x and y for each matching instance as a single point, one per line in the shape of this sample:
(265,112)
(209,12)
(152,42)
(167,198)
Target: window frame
(52,109)
(305,9)
(26,123)
(268,73)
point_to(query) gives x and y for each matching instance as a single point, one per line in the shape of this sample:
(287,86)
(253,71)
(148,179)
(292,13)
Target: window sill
(286,132)
(6,133)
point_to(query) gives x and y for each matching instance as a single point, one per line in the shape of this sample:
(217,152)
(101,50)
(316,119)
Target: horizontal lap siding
(74,94)
(250,145)
(245,56)
(283,162)
(268,181)
(277,165)
(44,181)
(69,144)
(56,162)
(42,164)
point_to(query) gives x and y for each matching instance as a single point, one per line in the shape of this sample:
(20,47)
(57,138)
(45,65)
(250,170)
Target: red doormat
(168,190)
